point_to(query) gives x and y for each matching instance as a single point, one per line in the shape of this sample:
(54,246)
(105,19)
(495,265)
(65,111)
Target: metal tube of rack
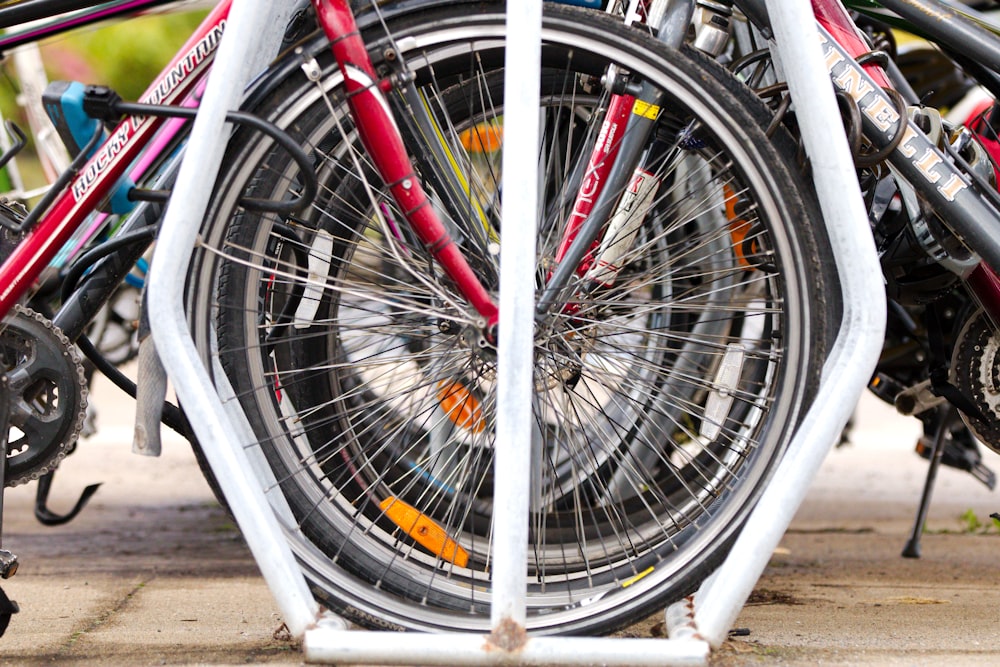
(254,30)
(859,340)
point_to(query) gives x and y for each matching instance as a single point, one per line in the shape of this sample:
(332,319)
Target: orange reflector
(738,227)
(482,138)
(461,406)
(426,532)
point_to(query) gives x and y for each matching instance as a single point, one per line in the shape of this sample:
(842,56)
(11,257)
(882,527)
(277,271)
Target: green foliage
(127,55)
(971,523)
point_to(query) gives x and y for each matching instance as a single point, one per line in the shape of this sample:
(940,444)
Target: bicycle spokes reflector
(461,407)
(424,530)
(482,138)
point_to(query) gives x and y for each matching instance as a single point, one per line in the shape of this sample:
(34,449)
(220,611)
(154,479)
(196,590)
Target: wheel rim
(395,409)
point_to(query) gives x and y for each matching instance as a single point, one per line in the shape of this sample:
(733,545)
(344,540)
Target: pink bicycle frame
(100,174)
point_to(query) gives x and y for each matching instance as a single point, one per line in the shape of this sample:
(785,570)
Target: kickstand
(945,414)
(46,516)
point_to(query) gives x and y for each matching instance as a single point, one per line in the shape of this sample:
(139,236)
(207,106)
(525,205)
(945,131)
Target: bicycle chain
(53,352)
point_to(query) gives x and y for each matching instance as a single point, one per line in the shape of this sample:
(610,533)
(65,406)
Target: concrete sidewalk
(838,592)
(153,571)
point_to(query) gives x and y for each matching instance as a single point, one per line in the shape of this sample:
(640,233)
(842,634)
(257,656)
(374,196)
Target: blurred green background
(125,55)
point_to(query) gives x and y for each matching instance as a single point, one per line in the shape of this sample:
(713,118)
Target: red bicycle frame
(382,141)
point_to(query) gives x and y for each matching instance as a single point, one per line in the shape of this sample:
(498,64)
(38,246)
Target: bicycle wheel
(662,397)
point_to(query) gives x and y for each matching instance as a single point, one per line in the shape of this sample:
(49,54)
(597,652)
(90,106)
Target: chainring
(975,370)
(47,394)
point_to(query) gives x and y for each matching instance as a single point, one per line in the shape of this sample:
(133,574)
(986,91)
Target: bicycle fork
(383,142)
(614,185)
(615,164)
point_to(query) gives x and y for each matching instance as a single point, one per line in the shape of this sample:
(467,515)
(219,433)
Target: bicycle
(369,382)
(344,489)
(45,385)
(371,394)
(936,249)
(612,359)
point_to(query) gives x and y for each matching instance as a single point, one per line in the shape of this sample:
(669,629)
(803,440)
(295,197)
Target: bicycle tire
(317,321)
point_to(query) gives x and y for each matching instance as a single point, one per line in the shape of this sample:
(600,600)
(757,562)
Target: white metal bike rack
(695,625)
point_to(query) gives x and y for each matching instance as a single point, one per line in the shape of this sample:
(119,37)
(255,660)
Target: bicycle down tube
(927,167)
(972,211)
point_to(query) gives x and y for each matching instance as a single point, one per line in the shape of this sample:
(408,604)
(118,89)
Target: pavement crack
(102,618)
(762,596)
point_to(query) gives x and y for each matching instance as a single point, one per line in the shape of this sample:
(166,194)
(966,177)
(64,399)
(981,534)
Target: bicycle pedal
(961,456)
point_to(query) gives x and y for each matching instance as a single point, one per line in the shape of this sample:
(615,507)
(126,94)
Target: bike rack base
(395,648)
(694,624)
